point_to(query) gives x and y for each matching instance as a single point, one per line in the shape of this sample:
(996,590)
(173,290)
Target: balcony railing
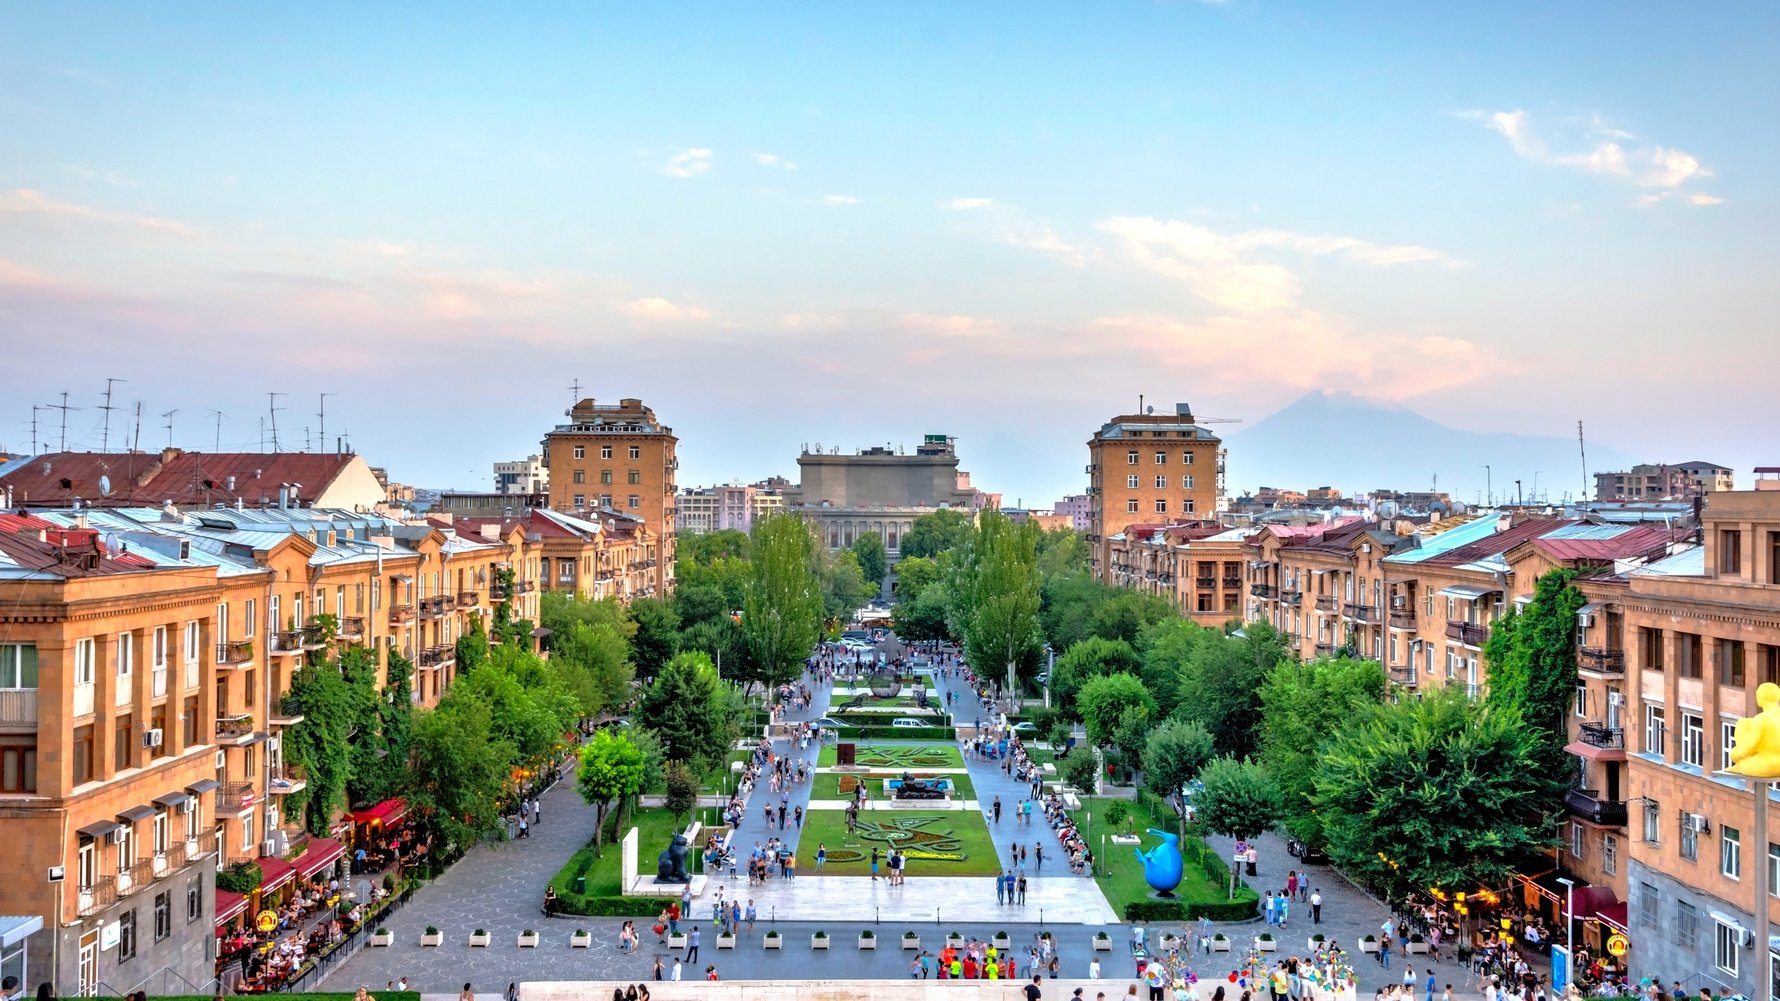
(470,598)
(1402,620)
(1468,633)
(138,876)
(1291,596)
(352,627)
(234,727)
(234,797)
(525,586)
(287,641)
(1588,803)
(497,593)
(95,898)
(1601,660)
(1403,674)
(286,778)
(1361,613)
(1232,583)
(234,653)
(315,637)
(18,707)
(438,656)
(1601,735)
(1327,649)
(1263,591)
(1327,603)
(401,613)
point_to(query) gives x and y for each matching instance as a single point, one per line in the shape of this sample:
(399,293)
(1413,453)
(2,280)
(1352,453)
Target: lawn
(943,843)
(888,755)
(654,828)
(1121,875)
(721,781)
(839,785)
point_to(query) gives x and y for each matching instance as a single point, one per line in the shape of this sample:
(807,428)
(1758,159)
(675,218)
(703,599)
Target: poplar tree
(782,607)
(997,597)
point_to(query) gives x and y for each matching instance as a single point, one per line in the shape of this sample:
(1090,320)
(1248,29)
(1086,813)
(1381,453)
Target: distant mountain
(1333,438)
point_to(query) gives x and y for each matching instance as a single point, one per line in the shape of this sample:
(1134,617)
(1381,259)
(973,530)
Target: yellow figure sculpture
(1756,750)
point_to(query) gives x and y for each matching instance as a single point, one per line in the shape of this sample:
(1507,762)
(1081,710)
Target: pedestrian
(798,814)
(466,994)
(821,854)
(1000,891)
(1021,888)
(1292,883)
(752,914)
(676,977)
(658,972)
(1031,990)
(1281,905)
(692,945)
(1038,857)
(1316,906)
(1384,951)
(1253,858)
(874,864)
(1430,984)
(523,831)
(997,808)
(1094,968)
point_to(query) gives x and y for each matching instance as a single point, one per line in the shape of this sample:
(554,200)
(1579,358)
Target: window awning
(402,578)
(1591,608)
(172,799)
(257,737)
(99,828)
(137,814)
(229,906)
(1469,592)
(1728,921)
(390,811)
(202,786)
(14,930)
(322,852)
(276,873)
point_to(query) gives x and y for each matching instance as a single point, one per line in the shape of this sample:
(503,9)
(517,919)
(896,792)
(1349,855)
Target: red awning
(277,872)
(229,906)
(322,853)
(1614,916)
(390,811)
(1592,752)
(1592,900)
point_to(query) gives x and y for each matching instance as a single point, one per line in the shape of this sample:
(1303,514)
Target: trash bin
(581,885)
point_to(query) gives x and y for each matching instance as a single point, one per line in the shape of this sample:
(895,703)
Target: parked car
(1025,726)
(830,723)
(904,723)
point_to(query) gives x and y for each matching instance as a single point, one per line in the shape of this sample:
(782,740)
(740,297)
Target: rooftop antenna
(136,430)
(1140,403)
(1582,451)
(34,409)
(63,406)
(321,432)
(169,416)
(219,416)
(105,435)
(272,409)
(575,391)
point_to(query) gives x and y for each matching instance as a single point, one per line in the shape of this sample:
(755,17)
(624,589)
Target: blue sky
(786,223)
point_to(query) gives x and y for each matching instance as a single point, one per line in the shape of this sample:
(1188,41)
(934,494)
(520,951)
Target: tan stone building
(1148,469)
(618,457)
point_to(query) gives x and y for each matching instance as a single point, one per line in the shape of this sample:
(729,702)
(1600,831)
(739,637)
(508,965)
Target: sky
(782,224)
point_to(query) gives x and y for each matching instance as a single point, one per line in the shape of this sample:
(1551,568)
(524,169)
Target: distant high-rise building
(525,476)
(617,456)
(1663,481)
(878,491)
(1149,469)
(1079,508)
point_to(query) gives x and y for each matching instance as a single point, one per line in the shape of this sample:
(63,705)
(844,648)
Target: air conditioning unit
(189,805)
(1616,698)
(272,744)
(113,837)
(151,738)
(268,849)
(1745,937)
(1585,619)
(1696,822)
(1399,601)
(222,760)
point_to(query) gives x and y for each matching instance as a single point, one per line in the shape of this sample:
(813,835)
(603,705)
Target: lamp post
(1050,665)
(1569,913)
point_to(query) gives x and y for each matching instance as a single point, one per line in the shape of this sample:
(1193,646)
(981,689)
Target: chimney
(229,482)
(283,496)
(169,512)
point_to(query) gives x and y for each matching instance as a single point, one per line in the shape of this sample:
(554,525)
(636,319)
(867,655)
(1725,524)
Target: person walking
(1038,857)
(997,807)
(692,945)
(1000,891)
(658,973)
(874,864)
(676,977)
(821,854)
(1316,907)
(1020,887)
(1094,968)
(752,915)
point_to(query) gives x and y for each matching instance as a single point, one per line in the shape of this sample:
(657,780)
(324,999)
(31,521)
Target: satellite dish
(104,486)
(1149,410)
(113,544)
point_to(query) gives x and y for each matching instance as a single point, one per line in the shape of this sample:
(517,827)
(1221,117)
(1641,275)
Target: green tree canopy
(1532,663)
(1219,684)
(874,560)
(658,634)
(1091,658)
(935,533)
(782,609)
(611,769)
(1438,791)
(1062,551)
(1302,705)
(924,617)
(995,596)
(844,588)
(1240,798)
(594,663)
(707,591)
(457,771)
(727,543)
(694,714)
(1104,701)
(1175,754)
(913,574)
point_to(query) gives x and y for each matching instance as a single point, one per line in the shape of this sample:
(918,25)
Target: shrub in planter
(772,941)
(383,937)
(581,939)
(819,940)
(528,939)
(432,937)
(479,938)
(867,940)
(1220,943)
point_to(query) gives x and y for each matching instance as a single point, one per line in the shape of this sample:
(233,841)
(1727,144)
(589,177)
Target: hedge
(897,733)
(297,996)
(609,907)
(1177,910)
(242,878)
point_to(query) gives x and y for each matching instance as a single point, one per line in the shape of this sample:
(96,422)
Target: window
(83,754)
(1650,905)
(636,452)
(1727,735)
(1131,482)
(1130,458)
(87,863)
(1577,834)
(18,665)
(1609,854)
(1161,505)
(188,721)
(123,742)
(1730,551)
(580,501)
(1187,505)
(635,476)
(1693,740)
(1131,506)
(125,658)
(1161,482)
(1655,730)
(86,658)
(605,500)
(580,476)
(161,649)
(1186,458)
(605,451)
(1186,482)
(194,899)
(1690,839)
(1651,642)
(1687,655)
(1581,700)
(580,451)
(605,476)
(635,501)
(163,915)
(1687,925)
(126,936)
(18,766)
(192,634)
(1730,852)
(1728,654)
(1727,944)
(247,845)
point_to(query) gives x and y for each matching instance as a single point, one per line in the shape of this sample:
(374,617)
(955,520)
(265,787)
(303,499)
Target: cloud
(1222,270)
(656,308)
(111,177)
(948,325)
(24,203)
(1652,166)
(774,160)
(1702,198)
(840,200)
(1046,241)
(688,163)
(965,204)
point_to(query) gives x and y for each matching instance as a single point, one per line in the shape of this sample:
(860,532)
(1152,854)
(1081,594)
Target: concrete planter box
(726,941)
(774,940)
(528,940)
(677,941)
(581,940)
(1102,943)
(868,942)
(818,941)
(1368,945)
(479,940)
(956,941)
(911,941)
(1220,944)
(1266,944)
(1314,942)
(434,940)
(1416,948)
(1002,942)
(1170,943)
(383,938)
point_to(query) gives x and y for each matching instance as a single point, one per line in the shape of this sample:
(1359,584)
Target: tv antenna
(219,416)
(34,409)
(105,435)
(1582,451)
(272,409)
(136,430)
(62,445)
(169,416)
(321,434)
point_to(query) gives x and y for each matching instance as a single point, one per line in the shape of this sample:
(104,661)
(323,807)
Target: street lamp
(1569,913)
(1050,665)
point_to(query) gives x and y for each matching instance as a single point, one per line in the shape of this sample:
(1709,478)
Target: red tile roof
(138,479)
(69,552)
(1639,541)
(1498,542)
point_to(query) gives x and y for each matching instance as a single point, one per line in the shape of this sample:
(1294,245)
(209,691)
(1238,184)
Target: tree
(1302,705)
(727,543)
(924,617)
(1091,658)
(1062,551)
(380,759)
(1104,701)
(782,610)
(691,711)
(457,771)
(472,647)
(1124,614)
(594,661)
(1532,663)
(935,533)
(611,768)
(682,789)
(1132,733)
(1176,752)
(723,642)
(913,574)
(995,601)
(1219,685)
(1239,800)
(1081,770)
(874,561)
(658,634)
(336,699)
(1439,791)
(843,587)
(559,611)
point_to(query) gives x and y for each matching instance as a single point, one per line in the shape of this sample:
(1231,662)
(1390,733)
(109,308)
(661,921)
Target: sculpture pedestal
(643,884)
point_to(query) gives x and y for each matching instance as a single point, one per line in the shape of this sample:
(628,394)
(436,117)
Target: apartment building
(618,457)
(1664,481)
(1078,508)
(523,477)
(1148,468)
(338,481)
(1196,565)
(609,555)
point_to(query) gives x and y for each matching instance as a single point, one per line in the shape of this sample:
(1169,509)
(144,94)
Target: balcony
(234,653)
(315,636)
(498,593)
(1468,633)
(1327,649)
(1403,674)
(285,779)
(281,717)
(1402,620)
(351,628)
(1600,735)
(438,656)
(1327,603)
(235,797)
(1604,662)
(136,876)
(18,707)
(401,614)
(1361,613)
(1232,583)
(525,586)
(1291,596)
(287,641)
(1267,591)
(1588,804)
(234,729)
(95,898)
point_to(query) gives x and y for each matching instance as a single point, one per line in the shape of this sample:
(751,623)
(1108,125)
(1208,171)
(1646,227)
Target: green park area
(943,843)
(1120,873)
(898,756)
(655,827)
(839,785)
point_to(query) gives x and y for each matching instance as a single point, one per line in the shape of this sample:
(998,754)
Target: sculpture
(1756,750)
(914,788)
(1162,864)
(670,867)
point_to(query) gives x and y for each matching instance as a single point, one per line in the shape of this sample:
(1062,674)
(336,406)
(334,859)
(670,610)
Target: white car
(904,723)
